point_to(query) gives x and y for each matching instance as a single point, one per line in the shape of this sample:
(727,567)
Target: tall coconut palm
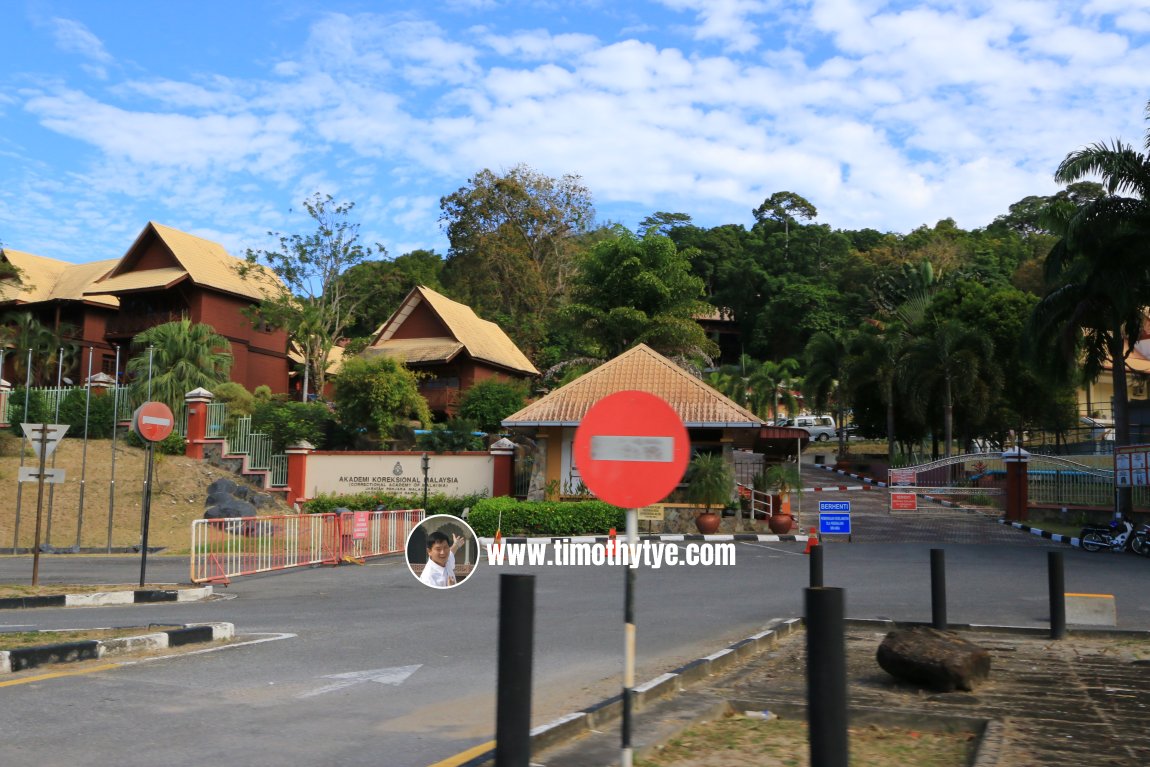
(944,362)
(827,375)
(772,382)
(1099,272)
(185,355)
(875,358)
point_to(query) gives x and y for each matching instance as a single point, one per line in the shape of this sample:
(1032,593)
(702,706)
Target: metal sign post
(631,449)
(152,422)
(44,438)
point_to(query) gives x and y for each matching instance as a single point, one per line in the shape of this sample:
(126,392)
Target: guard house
(714,423)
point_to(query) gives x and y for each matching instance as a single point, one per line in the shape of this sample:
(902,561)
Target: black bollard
(816,567)
(938,589)
(826,677)
(513,687)
(1055,577)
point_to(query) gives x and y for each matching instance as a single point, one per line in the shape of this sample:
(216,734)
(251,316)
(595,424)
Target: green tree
(631,290)
(312,302)
(375,288)
(827,375)
(184,355)
(21,331)
(513,239)
(290,422)
(379,395)
(785,208)
(488,402)
(947,360)
(1098,271)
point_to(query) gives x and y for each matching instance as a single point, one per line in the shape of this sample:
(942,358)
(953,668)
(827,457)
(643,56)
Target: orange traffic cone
(812,540)
(611,542)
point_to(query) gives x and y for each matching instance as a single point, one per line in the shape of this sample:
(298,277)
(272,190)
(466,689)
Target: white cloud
(535,45)
(728,21)
(238,142)
(73,37)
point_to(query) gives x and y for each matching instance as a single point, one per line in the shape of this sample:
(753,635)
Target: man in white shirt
(439,572)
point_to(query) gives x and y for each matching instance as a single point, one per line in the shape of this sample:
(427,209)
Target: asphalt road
(364,666)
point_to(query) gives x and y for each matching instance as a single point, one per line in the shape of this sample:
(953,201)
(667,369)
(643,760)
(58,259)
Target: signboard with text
(903,502)
(341,473)
(834,517)
(1130,465)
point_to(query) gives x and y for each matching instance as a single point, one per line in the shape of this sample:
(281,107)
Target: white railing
(223,549)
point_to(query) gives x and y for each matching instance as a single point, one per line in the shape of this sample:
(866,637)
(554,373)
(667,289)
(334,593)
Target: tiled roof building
(431,333)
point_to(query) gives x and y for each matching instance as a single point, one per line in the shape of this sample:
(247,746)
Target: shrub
(238,399)
(545,517)
(173,444)
(490,401)
(289,422)
(436,504)
(456,435)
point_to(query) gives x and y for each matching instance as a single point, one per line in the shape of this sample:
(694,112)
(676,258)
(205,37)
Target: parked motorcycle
(1140,543)
(1114,536)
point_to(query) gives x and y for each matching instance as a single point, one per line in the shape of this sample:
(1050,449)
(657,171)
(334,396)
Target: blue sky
(218,117)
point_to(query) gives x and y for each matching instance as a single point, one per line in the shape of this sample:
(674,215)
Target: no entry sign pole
(631,449)
(152,422)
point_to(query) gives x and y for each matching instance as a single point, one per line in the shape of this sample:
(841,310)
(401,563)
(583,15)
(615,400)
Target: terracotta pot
(708,523)
(780,523)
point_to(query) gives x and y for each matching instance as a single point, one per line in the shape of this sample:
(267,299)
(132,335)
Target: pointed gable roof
(483,340)
(640,368)
(46,279)
(204,262)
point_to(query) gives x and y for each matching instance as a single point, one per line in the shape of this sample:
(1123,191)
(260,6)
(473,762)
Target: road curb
(102,598)
(1056,537)
(12,661)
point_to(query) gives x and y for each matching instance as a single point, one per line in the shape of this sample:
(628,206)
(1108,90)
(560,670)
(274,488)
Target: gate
(1051,480)
(973,478)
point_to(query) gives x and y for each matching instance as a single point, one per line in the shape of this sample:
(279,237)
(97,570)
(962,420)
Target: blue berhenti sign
(835,517)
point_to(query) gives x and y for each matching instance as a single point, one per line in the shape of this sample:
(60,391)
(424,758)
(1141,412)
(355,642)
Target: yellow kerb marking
(57,675)
(460,758)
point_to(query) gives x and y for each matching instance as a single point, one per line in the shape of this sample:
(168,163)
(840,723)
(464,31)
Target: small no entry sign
(631,449)
(153,421)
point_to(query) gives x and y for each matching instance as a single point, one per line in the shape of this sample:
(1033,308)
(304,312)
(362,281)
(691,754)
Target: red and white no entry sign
(153,421)
(631,449)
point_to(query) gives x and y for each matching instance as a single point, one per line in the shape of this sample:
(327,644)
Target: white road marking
(394,676)
(771,548)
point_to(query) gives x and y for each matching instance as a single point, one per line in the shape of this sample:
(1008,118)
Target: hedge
(545,517)
(436,504)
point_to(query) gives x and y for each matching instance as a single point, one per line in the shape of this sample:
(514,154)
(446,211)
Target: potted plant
(780,481)
(710,480)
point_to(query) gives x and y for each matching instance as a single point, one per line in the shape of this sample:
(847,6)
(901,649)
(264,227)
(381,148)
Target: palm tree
(948,360)
(185,355)
(875,356)
(710,480)
(24,332)
(1098,272)
(828,368)
(771,382)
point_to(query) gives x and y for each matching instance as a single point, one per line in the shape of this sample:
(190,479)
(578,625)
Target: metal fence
(223,549)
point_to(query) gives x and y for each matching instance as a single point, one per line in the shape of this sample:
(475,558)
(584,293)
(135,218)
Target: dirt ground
(741,742)
(180,486)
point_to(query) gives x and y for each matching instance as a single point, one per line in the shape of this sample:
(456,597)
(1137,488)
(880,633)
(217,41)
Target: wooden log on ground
(940,660)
